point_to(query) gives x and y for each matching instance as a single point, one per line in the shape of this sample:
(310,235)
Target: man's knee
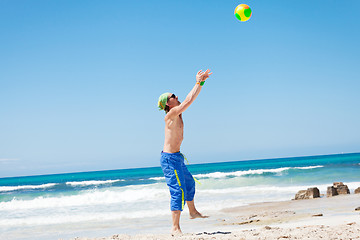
(190,190)
(177,200)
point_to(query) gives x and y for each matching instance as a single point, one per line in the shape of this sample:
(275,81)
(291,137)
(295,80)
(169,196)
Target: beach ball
(242,12)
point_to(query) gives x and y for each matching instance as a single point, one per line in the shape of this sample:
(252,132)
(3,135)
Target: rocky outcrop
(341,188)
(300,195)
(313,192)
(308,194)
(336,189)
(331,191)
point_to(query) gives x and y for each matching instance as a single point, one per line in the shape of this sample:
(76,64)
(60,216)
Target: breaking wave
(94,182)
(26,187)
(250,172)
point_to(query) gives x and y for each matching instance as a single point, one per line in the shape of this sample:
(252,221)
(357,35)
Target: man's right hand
(202,76)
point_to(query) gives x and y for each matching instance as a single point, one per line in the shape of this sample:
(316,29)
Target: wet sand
(320,218)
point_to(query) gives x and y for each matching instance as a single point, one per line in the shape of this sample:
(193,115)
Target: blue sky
(79,81)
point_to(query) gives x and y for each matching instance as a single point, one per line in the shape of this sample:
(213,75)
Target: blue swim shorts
(178,178)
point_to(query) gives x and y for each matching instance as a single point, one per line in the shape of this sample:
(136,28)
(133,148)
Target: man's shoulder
(172,117)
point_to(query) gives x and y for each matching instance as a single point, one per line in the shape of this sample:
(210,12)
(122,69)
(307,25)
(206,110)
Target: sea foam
(250,172)
(157,178)
(242,173)
(24,187)
(94,182)
(87,198)
(89,217)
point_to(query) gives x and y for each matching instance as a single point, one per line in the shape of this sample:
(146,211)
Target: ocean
(137,200)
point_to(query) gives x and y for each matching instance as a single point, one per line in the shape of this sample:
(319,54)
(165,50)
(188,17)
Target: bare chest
(176,125)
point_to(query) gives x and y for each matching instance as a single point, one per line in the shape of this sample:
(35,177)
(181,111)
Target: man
(180,181)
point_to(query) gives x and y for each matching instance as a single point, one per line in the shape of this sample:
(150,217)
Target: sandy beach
(320,218)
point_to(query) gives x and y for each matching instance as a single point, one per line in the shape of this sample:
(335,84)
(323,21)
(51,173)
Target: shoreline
(330,218)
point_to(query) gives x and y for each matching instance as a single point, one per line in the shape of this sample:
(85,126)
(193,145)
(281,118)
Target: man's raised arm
(200,77)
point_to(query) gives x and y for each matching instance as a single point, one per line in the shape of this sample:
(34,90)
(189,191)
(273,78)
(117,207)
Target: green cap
(163,100)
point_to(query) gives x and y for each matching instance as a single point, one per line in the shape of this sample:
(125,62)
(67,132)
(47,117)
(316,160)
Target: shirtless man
(180,181)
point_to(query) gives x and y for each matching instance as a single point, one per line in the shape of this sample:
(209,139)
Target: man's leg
(176,222)
(193,212)
(174,178)
(190,193)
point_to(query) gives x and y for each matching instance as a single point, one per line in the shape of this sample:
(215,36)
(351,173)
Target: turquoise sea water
(123,199)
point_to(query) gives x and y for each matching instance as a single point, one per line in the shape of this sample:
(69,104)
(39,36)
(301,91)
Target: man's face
(173,100)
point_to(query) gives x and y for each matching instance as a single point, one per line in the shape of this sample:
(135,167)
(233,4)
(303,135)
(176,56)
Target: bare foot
(197,215)
(176,232)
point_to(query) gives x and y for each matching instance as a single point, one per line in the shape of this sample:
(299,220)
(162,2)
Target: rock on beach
(308,194)
(336,189)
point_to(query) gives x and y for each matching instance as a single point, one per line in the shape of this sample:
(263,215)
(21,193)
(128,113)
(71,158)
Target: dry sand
(321,218)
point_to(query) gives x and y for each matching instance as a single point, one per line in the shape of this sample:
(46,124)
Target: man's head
(167,101)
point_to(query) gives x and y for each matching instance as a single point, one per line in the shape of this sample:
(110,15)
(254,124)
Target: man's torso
(174,134)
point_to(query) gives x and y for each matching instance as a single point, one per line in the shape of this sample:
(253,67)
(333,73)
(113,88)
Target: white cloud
(8,159)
